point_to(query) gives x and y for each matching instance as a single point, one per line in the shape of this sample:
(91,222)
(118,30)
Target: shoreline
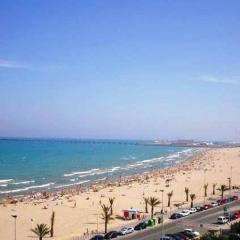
(105,182)
(78,210)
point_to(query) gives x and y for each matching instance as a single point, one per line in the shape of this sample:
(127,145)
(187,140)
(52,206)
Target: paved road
(205,218)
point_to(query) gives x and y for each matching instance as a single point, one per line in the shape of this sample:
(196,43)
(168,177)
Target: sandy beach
(79,212)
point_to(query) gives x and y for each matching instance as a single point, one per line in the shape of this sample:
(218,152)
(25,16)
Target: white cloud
(10,64)
(213,79)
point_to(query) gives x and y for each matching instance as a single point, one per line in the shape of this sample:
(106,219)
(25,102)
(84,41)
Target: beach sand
(79,213)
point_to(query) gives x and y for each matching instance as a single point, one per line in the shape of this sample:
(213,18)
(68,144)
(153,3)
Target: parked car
(189,230)
(207,206)
(236,215)
(214,204)
(97,237)
(192,210)
(126,230)
(175,216)
(140,226)
(189,235)
(222,220)
(221,202)
(199,209)
(235,197)
(184,237)
(174,236)
(185,213)
(166,238)
(111,235)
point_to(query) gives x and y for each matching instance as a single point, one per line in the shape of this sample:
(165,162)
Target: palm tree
(169,198)
(146,201)
(213,188)
(41,230)
(222,189)
(192,196)
(106,215)
(187,193)
(205,189)
(111,201)
(153,202)
(52,224)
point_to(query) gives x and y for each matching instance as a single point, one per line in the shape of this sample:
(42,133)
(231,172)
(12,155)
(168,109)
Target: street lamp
(205,170)
(230,182)
(162,214)
(15,226)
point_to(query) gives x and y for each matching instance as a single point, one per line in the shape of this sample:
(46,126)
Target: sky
(160,69)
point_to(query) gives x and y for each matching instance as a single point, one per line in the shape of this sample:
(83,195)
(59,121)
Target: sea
(33,165)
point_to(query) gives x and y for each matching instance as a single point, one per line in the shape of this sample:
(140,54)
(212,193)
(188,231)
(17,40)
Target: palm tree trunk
(169,201)
(152,212)
(186,197)
(222,195)
(146,207)
(105,226)
(191,204)
(111,210)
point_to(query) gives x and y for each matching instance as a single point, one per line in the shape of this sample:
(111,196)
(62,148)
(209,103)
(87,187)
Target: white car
(126,230)
(222,220)
(192,210)
(191,231)
(214,204)
(185,213)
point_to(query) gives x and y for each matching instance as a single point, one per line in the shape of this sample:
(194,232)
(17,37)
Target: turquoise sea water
(36,165)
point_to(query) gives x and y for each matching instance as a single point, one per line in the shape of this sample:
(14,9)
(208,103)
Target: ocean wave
(100,179)
(137,164)
(153,160)
(27,188)
(24,182)
(5,180)
(81,172)
(3,185)
(114,169)
(72,184)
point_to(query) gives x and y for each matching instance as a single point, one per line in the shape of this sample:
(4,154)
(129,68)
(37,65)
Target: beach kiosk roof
(131,210)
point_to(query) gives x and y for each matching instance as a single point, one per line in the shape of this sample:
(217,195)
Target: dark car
(166,238)
(97,237)
(176,216)
(199,209)
(112,234)
(221,202)
(184,237)
(188,234)
(140,226)
(174,236)
(235,197)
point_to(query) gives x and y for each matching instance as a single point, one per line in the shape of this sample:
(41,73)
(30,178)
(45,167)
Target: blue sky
(120,69)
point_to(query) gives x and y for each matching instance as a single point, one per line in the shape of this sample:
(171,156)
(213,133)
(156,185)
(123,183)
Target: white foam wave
(5,180)
(73,179)
(27,188)
(24,182)
(81,172)
(3,185)
(134,165)
(71,184)
(114,169)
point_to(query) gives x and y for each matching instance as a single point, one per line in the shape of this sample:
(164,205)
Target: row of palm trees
(42,230)
(223,188)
